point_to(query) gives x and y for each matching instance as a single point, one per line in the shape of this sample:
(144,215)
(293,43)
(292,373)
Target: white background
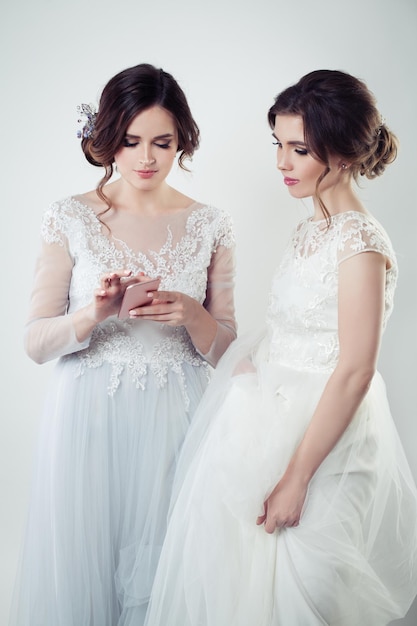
(231,57)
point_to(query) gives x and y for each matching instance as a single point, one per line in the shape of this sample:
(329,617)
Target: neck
(338,199)
(125,197)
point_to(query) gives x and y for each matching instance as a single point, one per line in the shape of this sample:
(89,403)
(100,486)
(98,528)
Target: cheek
(307,187)
(168,157)
(120,158)
(312,175)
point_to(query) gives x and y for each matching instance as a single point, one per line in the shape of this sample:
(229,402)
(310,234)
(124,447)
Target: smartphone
(137,295)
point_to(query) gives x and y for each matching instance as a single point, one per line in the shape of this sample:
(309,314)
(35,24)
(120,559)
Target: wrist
(299,473)
(202,328)
(85,320)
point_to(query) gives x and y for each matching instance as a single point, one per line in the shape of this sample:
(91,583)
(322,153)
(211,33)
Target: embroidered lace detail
(303,327)
(182,266)
(111,343)
(170,354)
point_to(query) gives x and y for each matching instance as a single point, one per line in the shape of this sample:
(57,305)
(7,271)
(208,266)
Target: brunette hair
(127,94)
(340,118)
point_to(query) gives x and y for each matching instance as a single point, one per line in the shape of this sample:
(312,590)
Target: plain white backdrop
(231,57)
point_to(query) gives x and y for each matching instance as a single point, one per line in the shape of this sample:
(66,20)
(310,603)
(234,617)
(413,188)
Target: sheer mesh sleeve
(49,332)
(220,301)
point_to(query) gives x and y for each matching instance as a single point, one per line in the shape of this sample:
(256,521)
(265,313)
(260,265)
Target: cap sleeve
(360,233)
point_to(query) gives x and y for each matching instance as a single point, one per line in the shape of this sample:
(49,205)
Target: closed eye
(129,144)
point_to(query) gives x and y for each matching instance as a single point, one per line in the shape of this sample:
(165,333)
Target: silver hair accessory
(88,114)
(381,124)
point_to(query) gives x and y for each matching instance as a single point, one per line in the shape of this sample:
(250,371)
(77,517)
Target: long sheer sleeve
(75,252)
(49,332)
(220,301)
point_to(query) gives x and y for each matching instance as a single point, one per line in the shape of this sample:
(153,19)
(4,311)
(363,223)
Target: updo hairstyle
(340,118)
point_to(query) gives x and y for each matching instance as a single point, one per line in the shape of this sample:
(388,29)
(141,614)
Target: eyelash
(128,144)
(300,151)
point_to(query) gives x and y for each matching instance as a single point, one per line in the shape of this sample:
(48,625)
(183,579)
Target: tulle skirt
(101,490)
(353,558)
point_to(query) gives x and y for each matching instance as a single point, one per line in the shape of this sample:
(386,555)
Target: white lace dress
(117,410)
(353,559)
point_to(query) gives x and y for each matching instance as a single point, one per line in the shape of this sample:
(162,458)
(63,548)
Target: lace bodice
(190,250)
(302,312)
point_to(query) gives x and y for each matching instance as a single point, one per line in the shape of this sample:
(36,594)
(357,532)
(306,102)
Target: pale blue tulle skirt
(352,560)
(101,489)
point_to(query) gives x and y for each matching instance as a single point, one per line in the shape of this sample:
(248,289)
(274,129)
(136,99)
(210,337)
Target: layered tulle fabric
(102,484)
(353,558)
(118,408)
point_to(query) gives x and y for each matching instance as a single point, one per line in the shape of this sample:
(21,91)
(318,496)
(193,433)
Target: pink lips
(145,173)
(290,181)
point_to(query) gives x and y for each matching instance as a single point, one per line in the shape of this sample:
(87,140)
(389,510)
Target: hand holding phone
(137,295)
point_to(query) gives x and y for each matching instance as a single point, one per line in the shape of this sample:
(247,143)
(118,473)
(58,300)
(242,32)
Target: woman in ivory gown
(293,502)
(124,391)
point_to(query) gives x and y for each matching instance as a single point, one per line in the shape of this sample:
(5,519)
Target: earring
(344,166)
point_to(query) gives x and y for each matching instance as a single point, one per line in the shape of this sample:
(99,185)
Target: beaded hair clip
(88,114)
(381,124)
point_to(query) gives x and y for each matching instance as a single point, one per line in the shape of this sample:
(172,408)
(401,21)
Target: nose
(283,162)
(146,157)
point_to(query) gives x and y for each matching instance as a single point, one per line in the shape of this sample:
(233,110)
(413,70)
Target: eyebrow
(166,136)
(292,143)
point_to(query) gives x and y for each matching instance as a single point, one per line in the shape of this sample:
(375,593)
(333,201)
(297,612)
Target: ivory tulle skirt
(101,491)
(352,560)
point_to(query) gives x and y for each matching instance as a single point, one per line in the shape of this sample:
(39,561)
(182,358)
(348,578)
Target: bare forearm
(339,402)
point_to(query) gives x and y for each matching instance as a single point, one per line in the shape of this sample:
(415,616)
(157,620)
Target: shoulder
(209,211)
(66,207)
(361,232)
(63,216)
(212,219)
